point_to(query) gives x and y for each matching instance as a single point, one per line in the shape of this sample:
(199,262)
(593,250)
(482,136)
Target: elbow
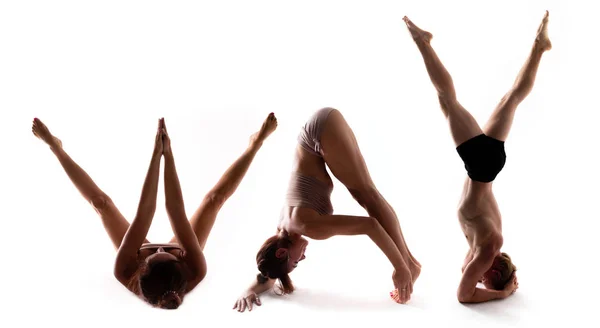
(464,297)
(202,274)
(463,300)
(120,275)
(101,203)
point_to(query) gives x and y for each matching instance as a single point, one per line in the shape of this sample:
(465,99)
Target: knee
(364,194)
(447,102)
(215,199)
(100,202)
(514,97)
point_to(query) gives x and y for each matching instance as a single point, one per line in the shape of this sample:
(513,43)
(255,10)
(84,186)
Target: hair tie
(168,292)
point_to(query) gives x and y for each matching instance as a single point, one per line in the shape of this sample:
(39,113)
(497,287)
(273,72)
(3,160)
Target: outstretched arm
(182,229)
(250,296)
(126,261)
(327,226)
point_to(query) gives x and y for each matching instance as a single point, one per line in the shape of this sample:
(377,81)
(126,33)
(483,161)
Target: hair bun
(262,278)
(170,300)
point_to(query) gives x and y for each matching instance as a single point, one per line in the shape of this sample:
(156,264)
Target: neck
(291,235)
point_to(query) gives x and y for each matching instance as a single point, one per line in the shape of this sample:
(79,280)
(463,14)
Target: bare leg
(114,222)
(204,217)
(343,156)
(500,122)
(462,124)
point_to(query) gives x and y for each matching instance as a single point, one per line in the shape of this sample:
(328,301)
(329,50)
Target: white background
(99,74)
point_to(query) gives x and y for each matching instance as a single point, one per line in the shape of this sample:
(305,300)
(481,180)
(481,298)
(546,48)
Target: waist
(309,192)
(154,246)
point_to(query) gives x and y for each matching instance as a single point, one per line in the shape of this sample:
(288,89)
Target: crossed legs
(204,217)
(462,124)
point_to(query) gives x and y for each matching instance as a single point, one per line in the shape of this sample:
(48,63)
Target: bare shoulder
(196,269)
(490,243)
(194,280)
(125,268)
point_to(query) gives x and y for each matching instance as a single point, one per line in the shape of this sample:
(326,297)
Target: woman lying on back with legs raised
(327,140)
(161,274)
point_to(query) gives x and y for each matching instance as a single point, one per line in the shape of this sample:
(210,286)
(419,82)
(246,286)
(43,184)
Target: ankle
(255,145)
(56,149)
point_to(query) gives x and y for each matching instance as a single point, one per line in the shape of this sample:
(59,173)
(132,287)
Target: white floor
(100,75)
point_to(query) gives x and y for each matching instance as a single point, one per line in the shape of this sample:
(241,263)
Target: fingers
(512,285)
(253,299)
(164,126)
(246,303)
(403,295)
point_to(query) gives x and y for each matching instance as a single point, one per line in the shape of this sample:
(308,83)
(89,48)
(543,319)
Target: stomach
(308,164)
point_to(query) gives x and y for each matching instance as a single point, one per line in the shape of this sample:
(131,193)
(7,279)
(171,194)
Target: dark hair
(272,267)
(161,284)
(505,268)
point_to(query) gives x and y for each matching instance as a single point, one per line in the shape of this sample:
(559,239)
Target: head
(278,256)
(500,273)
(162,280)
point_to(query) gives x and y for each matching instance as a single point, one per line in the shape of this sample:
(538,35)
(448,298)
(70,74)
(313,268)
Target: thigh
(342,153)
(203,219)
(114,222)
(500,122)
(463,125)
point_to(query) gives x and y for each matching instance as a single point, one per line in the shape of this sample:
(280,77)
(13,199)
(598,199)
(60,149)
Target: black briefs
(484,157)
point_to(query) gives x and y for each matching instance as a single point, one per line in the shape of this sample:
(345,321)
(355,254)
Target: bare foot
(41,131)
(415,271)
(541,39)
(417,33)
(269,125)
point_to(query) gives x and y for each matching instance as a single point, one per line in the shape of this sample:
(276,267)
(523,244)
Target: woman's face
(296,253)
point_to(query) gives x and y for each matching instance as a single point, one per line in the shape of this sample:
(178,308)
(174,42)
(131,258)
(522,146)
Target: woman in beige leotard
(160,274)
(328,140)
